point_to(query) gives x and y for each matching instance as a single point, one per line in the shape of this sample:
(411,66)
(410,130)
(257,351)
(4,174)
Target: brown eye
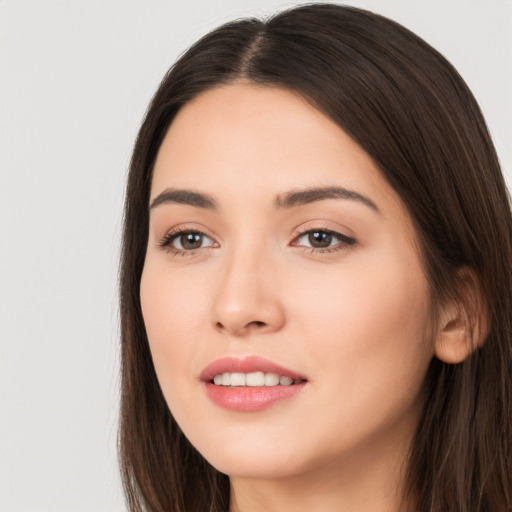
(190,241)
(319,239)
(187,241)
(323,240)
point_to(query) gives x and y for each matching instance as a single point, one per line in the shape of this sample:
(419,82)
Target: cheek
(362,298)
(369,322)
(172,312)
(364,343)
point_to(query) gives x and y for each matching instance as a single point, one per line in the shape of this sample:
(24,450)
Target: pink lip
(248,399)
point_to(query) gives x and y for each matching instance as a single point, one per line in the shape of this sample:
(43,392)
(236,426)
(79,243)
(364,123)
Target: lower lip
(250,399)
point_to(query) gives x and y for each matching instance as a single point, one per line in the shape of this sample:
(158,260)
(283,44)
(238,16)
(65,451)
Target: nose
(248,299)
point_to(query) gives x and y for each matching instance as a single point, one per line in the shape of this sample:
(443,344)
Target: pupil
(320,239)
(191,240)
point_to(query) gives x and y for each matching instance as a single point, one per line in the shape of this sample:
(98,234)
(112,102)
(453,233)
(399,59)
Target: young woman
(316,284)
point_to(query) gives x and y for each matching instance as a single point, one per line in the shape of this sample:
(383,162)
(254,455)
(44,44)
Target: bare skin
(237,270)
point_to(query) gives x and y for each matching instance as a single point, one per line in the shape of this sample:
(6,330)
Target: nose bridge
(247,297)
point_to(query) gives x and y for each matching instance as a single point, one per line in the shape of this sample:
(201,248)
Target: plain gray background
(75,79)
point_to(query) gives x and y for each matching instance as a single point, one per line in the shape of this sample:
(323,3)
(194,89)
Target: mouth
(249,384)
(253,379)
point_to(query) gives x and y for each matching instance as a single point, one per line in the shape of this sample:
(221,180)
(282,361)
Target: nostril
(254,324)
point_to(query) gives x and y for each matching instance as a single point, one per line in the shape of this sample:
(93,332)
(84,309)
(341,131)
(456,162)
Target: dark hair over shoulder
(408,108)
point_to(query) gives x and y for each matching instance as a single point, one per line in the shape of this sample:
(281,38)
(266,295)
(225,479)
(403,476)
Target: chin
(256,466)
(261,456)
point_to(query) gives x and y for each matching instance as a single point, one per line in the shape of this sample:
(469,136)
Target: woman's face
(278,252)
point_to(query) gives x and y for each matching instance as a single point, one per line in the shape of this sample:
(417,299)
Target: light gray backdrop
(75,78)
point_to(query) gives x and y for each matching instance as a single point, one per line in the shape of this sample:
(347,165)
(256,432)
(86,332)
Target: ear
(464,321)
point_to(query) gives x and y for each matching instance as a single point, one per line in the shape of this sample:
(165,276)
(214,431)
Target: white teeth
(285,381)
(271,379)
(253,379)
(238,379)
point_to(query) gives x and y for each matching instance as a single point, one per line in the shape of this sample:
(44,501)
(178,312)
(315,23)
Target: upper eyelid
(297,232)
(173,234)
(346,239)
(189,228)
(343,232)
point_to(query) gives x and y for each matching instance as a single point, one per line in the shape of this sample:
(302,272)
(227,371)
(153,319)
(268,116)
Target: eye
(186,241)
(323,239)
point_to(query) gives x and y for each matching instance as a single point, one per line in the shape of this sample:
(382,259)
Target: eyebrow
(178,196)
(291,199)
(296,198)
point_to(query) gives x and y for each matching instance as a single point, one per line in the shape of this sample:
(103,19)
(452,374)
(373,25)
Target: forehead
(244,140)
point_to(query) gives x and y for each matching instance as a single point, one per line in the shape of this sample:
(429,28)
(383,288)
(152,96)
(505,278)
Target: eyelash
(344,241)
(168,239)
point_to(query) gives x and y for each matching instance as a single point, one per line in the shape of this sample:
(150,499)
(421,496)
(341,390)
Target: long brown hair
(414,115)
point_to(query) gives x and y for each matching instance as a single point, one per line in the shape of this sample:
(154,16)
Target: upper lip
(246,364)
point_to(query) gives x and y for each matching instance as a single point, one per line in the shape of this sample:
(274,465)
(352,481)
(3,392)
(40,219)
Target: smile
(249,384)
(254,379)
